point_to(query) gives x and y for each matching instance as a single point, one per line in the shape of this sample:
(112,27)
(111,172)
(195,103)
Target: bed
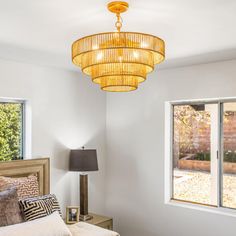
(41,169)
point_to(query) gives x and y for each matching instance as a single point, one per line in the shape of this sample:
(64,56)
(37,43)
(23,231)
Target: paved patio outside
(195,186)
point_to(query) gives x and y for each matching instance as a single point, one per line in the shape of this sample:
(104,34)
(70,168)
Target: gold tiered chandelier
(118,61)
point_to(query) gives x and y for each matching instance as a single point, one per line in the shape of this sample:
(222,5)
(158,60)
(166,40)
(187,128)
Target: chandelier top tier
(118,61)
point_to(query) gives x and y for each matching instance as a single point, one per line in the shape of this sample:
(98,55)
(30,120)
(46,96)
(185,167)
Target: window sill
(215,210)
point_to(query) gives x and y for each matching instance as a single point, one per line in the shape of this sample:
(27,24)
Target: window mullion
(220,154)
(214,134)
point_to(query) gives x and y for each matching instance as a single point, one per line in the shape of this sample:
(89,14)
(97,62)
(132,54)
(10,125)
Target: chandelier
(118,61)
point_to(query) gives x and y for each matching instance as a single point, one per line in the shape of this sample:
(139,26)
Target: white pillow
(51,225)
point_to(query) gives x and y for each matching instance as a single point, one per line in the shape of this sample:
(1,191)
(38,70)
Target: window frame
(23,117)
(169,131)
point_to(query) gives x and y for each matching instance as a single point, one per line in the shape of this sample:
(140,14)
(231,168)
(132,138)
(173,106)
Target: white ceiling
(42,31)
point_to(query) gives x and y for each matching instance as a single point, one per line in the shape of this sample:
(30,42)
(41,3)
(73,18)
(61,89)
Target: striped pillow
(35,208)
(26,186)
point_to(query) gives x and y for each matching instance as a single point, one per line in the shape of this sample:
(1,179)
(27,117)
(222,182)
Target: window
(11,130)
(203,153)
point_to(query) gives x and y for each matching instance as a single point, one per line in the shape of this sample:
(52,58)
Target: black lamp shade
(83,160)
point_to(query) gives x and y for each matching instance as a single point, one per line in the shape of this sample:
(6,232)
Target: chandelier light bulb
(95,47)
(99,56)
(136,55)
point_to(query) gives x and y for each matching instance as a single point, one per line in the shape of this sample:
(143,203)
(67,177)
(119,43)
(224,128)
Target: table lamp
(83,160)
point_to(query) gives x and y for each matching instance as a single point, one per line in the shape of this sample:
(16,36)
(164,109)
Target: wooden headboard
(20,168)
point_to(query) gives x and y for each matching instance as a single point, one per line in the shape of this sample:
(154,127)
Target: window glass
(11,131)
(229,155)
(194,153)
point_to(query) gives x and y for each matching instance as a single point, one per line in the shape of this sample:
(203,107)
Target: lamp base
(85,217)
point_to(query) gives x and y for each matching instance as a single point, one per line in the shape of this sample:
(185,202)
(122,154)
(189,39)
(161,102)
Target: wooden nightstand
(102,221)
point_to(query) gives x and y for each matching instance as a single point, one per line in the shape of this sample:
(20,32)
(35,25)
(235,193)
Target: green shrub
(202,156)
(228,156)
(10,131)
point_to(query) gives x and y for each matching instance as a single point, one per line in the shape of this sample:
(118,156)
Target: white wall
(135,153)
(68,111)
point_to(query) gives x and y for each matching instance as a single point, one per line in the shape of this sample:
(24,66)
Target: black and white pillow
(37,207)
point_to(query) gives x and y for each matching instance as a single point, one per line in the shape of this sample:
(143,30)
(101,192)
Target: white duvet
(53,225)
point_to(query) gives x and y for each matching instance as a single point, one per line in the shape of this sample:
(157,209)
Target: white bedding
(85,229)
(53,225)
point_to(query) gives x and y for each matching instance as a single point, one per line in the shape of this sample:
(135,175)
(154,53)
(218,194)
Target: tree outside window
(11,131)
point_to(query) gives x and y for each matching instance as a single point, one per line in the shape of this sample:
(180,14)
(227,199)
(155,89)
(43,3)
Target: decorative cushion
(51,225)
(26,186)
(34,208)
(9,208)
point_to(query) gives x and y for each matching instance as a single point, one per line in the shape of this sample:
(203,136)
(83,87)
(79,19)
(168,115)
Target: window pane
(194,145)
(229,153)
(11,131)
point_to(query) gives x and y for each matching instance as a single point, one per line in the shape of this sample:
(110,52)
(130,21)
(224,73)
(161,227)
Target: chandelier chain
(119,22)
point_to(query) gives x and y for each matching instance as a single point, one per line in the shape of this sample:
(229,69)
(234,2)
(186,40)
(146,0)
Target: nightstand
(102,221)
